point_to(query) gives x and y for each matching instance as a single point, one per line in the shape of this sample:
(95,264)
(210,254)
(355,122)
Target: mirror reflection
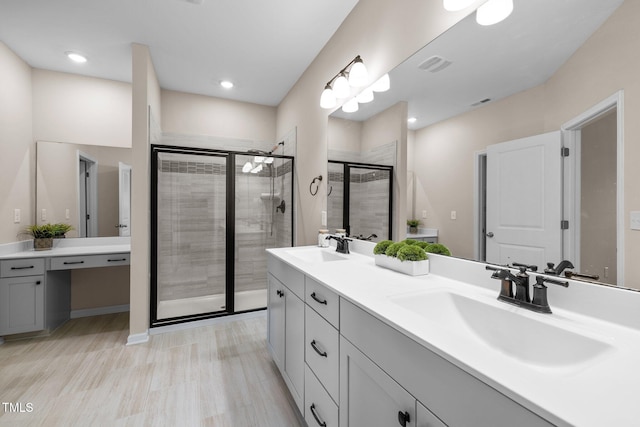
(490,106)
(87,186)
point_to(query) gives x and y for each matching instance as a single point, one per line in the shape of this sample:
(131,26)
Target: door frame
(571,134)
(91,194)
(479,205)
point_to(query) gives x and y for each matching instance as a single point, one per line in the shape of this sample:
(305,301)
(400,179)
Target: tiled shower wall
(191,220)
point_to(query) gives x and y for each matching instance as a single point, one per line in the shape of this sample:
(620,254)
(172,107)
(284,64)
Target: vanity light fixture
(76,57)
(494,11)
(339,87)
(365,96)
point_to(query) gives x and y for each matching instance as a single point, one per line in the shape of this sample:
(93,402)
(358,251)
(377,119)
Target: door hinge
(88,216)
(564,224)
(87,174)
(564,151)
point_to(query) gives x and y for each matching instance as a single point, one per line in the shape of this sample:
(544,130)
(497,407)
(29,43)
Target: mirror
(62,196)
(475,87)
(361,169)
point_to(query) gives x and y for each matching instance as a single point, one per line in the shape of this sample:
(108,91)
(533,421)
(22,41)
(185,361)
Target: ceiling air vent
(434,64)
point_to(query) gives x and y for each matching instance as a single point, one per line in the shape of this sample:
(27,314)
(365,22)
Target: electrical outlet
(16,216)
(67,214)
(635,220)
(324,218)
(424,214)
(43,215)
(454,215)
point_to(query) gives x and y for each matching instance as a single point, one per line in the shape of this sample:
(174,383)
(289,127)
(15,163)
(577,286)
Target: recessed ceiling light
(226,84)
(412,119)
(76,57)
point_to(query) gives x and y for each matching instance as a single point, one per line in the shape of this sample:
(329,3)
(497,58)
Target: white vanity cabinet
(22,296)
(455,397)
(286,325)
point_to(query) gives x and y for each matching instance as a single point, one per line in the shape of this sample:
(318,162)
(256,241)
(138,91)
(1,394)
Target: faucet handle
(540,281)
(525,266)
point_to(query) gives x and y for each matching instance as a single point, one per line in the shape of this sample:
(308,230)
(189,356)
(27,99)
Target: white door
(124,200)
(524,209)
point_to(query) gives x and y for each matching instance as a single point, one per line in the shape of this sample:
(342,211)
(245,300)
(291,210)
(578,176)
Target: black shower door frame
(230,228)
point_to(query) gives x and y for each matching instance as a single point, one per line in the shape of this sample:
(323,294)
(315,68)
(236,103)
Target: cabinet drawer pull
(23,268)
(319,301)
(315,415)
(404,418)
(116,260)
(321,353)
(73,262)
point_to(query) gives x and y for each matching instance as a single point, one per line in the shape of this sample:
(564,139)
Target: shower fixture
(281,207)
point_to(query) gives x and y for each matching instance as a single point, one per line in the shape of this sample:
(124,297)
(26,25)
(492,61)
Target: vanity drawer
(322,300)
(322,345)
(316,397)
(89,261)
(22,267)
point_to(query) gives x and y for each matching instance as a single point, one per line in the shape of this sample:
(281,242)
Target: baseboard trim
(88,312)
(135,339)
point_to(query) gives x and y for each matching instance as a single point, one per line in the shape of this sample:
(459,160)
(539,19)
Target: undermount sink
(531,341)
(316,255)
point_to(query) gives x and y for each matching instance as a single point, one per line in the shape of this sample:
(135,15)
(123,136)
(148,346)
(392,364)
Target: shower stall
(214,213)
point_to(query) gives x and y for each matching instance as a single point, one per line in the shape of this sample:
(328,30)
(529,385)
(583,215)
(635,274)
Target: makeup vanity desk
(35,286)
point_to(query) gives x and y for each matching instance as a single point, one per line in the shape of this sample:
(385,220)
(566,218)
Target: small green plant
(392,250)
(411,253)
(423,245)
(438,248)
(381,247)
(410,241)
(46,231)
(413,222)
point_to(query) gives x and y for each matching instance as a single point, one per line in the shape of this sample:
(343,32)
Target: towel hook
(317,178)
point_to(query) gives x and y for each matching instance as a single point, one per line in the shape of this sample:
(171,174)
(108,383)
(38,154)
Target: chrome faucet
(342,244)
(538,303)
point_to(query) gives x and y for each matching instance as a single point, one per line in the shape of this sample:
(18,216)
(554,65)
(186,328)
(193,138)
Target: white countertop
(601,392)
(68,247)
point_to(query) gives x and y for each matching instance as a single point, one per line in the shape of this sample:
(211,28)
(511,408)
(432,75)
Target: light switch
(635,220)
(324,218)
(424,214)
(16,216)
(454,215)
(66,214)
(43,215)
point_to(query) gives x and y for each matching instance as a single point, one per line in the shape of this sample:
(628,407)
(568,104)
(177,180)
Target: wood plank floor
(84,375)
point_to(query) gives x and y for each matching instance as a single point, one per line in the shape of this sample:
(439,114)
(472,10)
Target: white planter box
(412,268)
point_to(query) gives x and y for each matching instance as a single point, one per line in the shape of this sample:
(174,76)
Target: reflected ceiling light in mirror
(412,120)
(226,84)
(456,5)
(247,167)
(257,168)
(351,106)
(383,84)
(76,57)
(494,11)
(365,96)
(339,87)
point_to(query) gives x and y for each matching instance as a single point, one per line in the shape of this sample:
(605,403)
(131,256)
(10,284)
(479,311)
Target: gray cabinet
(425,418)
(286,336)
(368,396)
(22,296)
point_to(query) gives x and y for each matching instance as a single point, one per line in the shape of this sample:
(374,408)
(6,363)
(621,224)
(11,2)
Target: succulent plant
(411,253)
(381,247)
(392,250)
(438,248)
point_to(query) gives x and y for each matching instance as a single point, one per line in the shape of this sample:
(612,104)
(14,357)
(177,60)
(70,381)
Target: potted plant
(44,234)
(413,225)
(405,257)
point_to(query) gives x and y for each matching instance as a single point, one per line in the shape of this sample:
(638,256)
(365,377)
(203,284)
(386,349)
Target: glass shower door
(190,229)
(263,219)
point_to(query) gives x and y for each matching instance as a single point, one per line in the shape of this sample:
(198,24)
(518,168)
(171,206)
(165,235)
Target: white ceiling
(490,62)
(262,46)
